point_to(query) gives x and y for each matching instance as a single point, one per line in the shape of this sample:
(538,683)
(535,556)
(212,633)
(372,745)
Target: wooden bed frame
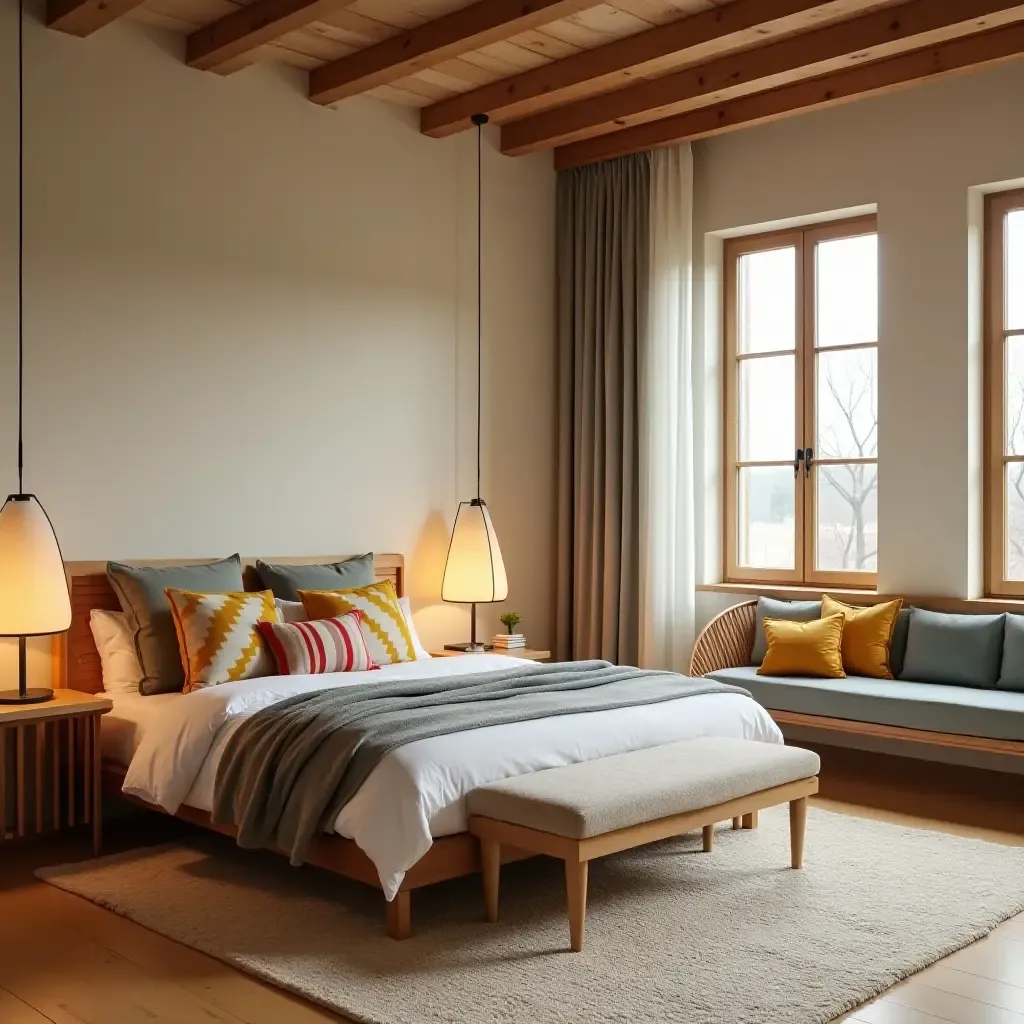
(77,666)
(726,641)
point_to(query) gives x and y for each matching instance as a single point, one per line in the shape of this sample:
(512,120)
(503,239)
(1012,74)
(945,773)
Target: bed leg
(709,838)
(400,916)
(737,823)
(750,820)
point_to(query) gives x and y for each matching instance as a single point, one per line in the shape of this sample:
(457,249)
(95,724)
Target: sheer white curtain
(667,556)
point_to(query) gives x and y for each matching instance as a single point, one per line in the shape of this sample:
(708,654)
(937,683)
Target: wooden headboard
(76,660)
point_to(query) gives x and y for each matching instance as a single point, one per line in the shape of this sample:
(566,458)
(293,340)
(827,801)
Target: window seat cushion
(934,707)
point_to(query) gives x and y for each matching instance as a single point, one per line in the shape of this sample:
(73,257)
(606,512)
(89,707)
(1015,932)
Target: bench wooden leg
(737,823)
(797,830)
(709,838)
(490,855)
(750,820)
(576,895)
(400,916)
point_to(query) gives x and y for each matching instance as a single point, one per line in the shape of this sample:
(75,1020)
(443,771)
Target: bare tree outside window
(801,341)
(847,536)
(1014,470)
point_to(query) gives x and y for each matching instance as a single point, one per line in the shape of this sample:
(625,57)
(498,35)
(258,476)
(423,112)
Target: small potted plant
(510,620)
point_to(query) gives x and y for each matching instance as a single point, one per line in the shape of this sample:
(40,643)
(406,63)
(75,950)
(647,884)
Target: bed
(406,826)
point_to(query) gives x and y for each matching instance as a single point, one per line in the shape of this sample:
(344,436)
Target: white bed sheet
(418,792)
(126,722)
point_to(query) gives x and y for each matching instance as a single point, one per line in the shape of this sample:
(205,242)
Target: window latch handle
(797,461)
(808,459)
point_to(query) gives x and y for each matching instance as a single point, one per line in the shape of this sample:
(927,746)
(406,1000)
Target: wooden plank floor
(67,961)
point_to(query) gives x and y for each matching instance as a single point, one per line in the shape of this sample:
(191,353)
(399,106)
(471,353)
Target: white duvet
(417,792)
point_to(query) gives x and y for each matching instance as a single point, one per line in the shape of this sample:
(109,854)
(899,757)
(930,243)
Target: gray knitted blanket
(290,768)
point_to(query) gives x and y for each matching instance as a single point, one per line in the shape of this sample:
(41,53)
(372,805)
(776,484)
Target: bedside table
(54,749)
(526,653)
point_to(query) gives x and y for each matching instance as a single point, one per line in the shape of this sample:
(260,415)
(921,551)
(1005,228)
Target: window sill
(992,605)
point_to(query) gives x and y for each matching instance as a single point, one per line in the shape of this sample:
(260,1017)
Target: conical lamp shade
(474,572)
(34,598)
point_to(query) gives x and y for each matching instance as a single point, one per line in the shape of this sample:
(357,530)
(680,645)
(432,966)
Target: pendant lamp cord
(21,238)
(481,120)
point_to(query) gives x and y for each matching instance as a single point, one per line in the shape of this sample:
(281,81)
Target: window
(801,405)
(1004,421)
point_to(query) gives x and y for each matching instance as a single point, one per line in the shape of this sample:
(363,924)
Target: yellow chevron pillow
(218,637)
(383,625)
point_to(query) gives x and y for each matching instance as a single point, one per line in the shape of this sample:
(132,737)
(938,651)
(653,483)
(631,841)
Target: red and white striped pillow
(319,646)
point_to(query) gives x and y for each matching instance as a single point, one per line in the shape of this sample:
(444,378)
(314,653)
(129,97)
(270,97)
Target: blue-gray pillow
(140,591)
(960,650)
(287,580)
(769,608)
(898,646)
(1011,675)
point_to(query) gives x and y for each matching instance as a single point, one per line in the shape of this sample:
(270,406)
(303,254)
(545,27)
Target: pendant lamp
(34,597)
(474,572)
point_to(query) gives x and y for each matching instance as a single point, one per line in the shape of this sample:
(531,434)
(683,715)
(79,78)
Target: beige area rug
(673,934)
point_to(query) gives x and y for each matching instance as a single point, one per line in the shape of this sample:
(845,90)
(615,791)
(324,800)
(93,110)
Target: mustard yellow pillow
(804,648)
(867,635)
(382,624)
(218,635)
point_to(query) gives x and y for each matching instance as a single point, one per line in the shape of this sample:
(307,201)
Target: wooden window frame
(804,241)
(997,206)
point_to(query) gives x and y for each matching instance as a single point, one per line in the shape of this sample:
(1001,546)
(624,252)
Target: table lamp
(34,596)
(474,572)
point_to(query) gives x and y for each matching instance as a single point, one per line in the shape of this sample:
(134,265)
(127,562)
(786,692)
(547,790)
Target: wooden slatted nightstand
(526,653)
(50,760)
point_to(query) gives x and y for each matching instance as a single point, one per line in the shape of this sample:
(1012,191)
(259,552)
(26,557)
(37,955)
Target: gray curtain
(603,224)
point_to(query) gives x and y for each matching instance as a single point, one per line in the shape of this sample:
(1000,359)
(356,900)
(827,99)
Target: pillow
(290,611)
(1011,674)
(417,644)
(804,648)
(140,590)
(118,661)
(318,646)
(294,611)
(867,635)
(768,608)
(898,647)
(961,650)
(218,635)
(383,625)
(287,580)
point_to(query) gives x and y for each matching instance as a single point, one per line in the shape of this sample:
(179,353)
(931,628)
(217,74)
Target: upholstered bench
(594,808)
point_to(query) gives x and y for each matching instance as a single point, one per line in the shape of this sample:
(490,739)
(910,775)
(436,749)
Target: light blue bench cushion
(993,714)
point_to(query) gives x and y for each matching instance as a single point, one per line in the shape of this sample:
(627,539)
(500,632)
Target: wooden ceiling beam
(83,17)
(610,63)
(469,28)
(227,44)
(873,36)
(957,55)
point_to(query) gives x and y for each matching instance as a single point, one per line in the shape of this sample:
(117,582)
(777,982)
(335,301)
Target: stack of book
(509,641)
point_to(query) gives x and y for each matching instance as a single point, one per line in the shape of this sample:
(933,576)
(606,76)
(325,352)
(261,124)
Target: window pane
(767,517)
(846,503)
(846,302)
(1015,270)
(767,408)
(846,422)
(766,301)
(1014,396)
(1015,520)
